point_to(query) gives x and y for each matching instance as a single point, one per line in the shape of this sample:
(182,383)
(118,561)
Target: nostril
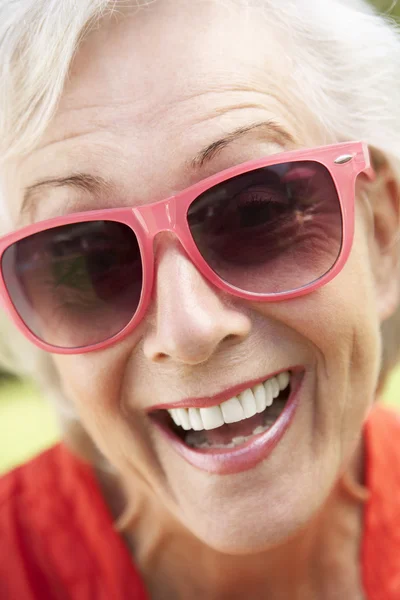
(232,337)
(160,357)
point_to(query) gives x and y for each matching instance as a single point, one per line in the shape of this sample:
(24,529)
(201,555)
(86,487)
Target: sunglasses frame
(344,161)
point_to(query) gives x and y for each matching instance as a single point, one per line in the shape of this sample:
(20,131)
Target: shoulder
(43,546)
(22,489)
(35,472)
(381,414)
(57,536)
(381,556)
(29,493)
(382,437)
(25,526)
(382,450)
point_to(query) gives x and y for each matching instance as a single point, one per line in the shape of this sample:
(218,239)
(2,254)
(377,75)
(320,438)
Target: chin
(266,515)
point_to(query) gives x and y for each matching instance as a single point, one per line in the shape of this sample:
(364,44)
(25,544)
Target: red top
(57,540)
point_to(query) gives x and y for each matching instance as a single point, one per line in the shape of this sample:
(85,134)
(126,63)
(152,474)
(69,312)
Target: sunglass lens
(271,230)
(75,285)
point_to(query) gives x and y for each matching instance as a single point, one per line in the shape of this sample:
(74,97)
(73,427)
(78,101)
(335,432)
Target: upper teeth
(243,406)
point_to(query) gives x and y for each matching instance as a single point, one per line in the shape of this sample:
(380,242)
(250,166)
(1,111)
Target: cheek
(340,325)
(95,384)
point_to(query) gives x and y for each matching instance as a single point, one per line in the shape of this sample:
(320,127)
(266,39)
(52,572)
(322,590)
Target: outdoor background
(27,424)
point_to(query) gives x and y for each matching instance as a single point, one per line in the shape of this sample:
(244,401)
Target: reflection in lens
(271,230)
(77,284)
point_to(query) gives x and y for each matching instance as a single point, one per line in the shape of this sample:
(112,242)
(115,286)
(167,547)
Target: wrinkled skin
(145,94)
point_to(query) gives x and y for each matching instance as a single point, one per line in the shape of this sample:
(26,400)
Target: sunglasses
(268,230)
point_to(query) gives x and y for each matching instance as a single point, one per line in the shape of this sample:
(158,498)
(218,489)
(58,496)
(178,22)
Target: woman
(202,202)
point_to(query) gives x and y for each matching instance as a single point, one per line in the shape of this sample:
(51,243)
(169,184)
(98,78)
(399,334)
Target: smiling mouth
(232,423)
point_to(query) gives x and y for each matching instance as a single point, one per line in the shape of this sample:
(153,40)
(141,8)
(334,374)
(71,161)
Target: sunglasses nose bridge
(157,217)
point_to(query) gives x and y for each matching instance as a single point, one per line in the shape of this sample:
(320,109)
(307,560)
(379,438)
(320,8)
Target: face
(146,95)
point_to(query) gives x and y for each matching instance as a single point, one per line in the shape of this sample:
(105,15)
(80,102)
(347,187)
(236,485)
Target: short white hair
(346,68)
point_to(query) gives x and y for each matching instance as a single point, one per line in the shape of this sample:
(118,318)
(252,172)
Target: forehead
(173,62)
(146,90)
(180,47)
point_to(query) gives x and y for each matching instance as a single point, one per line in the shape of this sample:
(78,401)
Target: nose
(189,319)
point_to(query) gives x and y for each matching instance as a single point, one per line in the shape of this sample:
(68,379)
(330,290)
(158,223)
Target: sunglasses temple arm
(368,169)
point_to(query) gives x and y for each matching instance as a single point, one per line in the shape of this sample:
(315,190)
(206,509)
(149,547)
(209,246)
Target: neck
(321,561)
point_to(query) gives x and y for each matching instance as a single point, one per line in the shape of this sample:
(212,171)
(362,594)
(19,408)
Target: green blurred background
(27,424)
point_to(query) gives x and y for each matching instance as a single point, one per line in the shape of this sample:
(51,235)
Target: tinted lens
(77,284)
(271,230)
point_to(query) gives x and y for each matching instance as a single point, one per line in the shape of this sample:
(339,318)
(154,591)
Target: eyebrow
(271,131)
(83,182)
(97,185)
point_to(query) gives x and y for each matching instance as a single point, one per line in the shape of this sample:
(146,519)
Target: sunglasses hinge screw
(343,159)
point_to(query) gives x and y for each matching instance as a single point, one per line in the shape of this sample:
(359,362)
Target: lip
(236,460)
(226,394)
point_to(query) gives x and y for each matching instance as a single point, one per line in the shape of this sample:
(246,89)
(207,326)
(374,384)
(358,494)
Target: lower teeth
(237,441)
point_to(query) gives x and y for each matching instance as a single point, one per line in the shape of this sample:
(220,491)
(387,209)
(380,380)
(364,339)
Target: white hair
(346,66)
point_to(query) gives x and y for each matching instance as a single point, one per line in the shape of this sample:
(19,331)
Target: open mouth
(232,423)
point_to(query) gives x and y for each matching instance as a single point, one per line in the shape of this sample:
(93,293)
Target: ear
(383,198)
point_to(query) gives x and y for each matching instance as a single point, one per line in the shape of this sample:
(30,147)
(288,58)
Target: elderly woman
(201,210)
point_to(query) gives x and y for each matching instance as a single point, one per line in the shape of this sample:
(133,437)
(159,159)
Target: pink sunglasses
(268,230)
